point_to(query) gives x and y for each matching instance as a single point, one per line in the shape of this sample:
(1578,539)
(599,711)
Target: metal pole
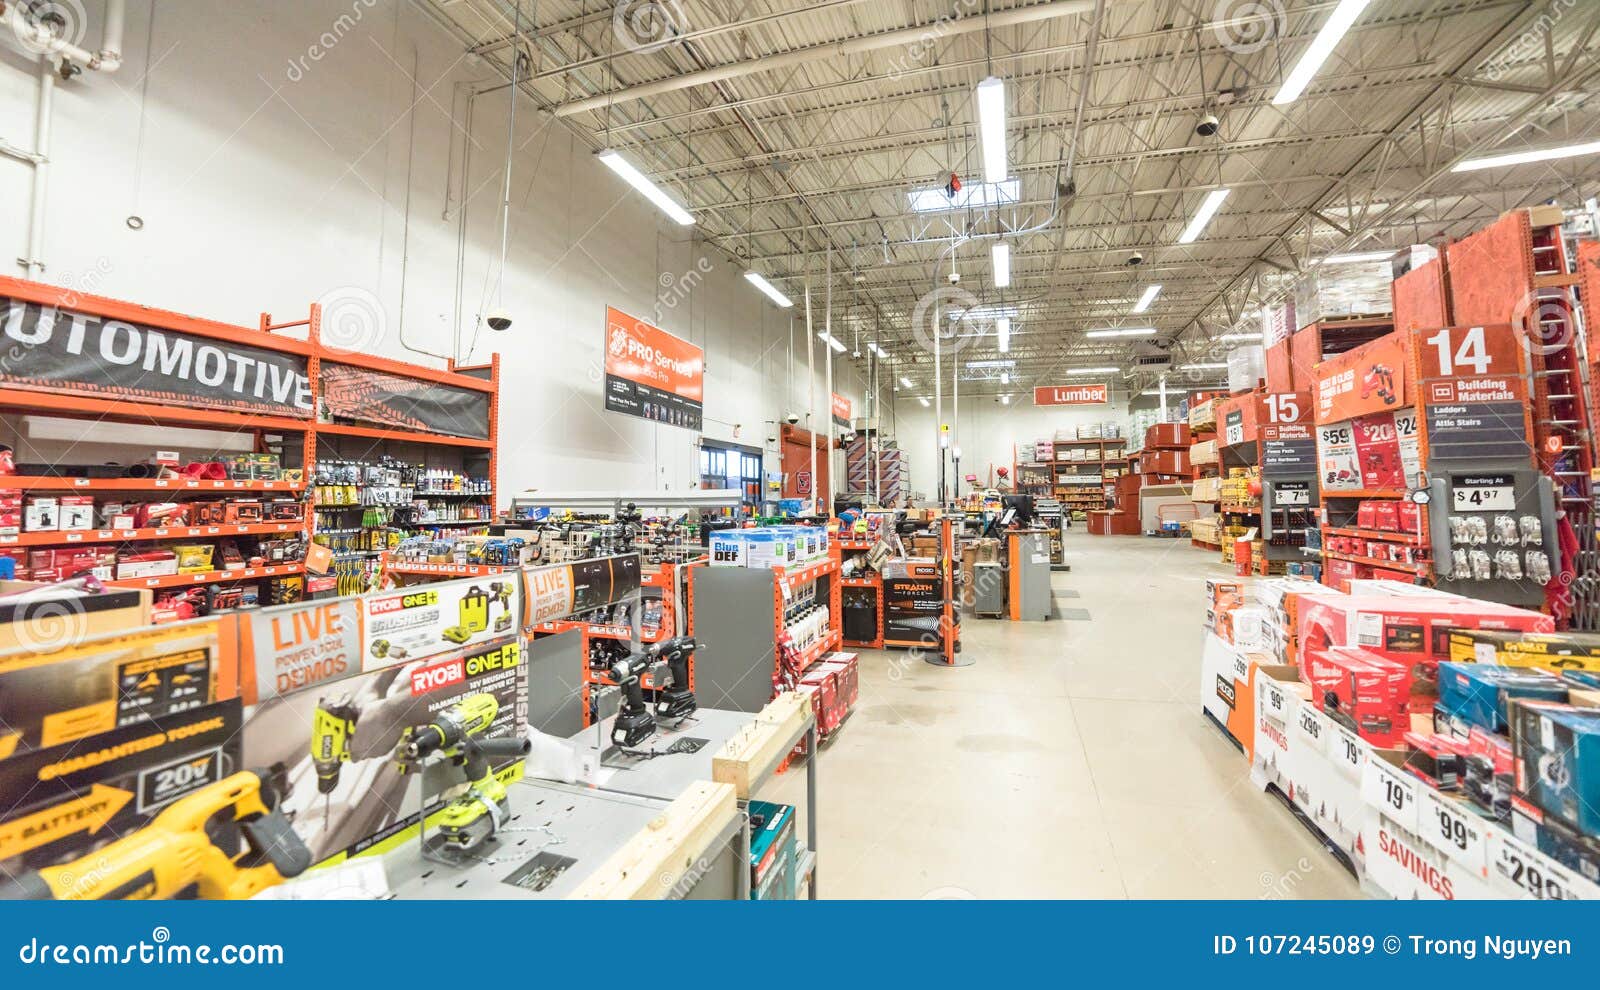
(811,386)
(827,356)
(938,401)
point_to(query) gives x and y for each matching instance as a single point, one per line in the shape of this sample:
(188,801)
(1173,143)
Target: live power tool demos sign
(50,349)
(652,374)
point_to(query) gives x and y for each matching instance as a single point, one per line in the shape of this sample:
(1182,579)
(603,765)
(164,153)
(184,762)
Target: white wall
(986,432)
(267,179)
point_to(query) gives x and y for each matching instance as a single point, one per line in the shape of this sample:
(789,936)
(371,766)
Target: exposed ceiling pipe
(809,54)
(39,38)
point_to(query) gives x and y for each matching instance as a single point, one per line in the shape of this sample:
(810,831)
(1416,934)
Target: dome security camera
(498,319)
(1135,258)
(955,278)
(792,418)
(1208,125)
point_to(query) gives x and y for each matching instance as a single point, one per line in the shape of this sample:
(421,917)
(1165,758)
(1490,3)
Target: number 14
(1472,353)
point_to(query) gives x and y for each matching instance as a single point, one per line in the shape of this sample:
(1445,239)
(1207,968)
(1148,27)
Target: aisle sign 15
(1284,408)
(1463,352)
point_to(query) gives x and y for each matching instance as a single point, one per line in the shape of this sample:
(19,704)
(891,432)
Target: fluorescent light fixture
(1092,371)
(651,191)
(832,342)
(991,364)
(1203,366)
(1005,378)
(1001,255)
(872,346)
(924,400)
(1228,337)
(988,311)
(755,279)
(1356,259)
(1005,400)
(977,195)
(1129,332)
(905,381)
(1145,300)
(992,127)
(1322,46)
(1524,157)
(1002,334)
(1202,216)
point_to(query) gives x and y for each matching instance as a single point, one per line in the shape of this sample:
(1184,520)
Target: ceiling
(795,130)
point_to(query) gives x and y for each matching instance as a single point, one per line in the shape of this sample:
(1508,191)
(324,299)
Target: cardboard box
(149,563)
(1411,629)
(1555,752)
(1205,452)
(774,863)
(41,513)
(1168,435)
(1476,694)
(77,511)
(1546,650)
(1366,693)
(37,619)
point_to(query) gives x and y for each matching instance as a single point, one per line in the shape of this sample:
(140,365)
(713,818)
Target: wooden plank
(744,758)
(669,851)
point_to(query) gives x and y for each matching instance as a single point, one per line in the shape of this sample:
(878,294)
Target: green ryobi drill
(466,822)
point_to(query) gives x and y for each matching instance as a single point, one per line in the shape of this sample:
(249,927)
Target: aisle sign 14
(1462,352)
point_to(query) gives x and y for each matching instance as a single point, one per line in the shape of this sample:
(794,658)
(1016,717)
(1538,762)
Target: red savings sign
(841,408)
(1071,395)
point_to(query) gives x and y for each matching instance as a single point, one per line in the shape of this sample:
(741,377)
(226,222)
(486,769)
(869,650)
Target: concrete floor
(1071,761)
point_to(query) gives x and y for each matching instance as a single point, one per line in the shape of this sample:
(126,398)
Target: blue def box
(773,865)
(1476,693)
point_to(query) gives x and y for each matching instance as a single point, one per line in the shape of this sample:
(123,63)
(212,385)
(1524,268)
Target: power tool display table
(525,860)
(686,752)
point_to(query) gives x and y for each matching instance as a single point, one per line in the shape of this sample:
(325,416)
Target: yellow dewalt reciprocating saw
(173,853)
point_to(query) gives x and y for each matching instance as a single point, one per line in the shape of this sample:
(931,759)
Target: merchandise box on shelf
(1553,651)
(64,799)
(68,688)
(32,613)
(1412,629)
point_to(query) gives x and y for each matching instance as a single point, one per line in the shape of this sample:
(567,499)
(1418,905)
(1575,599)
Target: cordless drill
(476,815)
(674,700)
(500,591)
(634,723)
(333,728)
(174,853)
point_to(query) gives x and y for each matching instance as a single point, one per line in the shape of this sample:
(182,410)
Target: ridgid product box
(1555,751)
(1548,650)
(1476,694)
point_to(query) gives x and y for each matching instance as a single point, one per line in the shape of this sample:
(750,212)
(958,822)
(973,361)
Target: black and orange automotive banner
(368,396)
(52,349)
(652,374)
